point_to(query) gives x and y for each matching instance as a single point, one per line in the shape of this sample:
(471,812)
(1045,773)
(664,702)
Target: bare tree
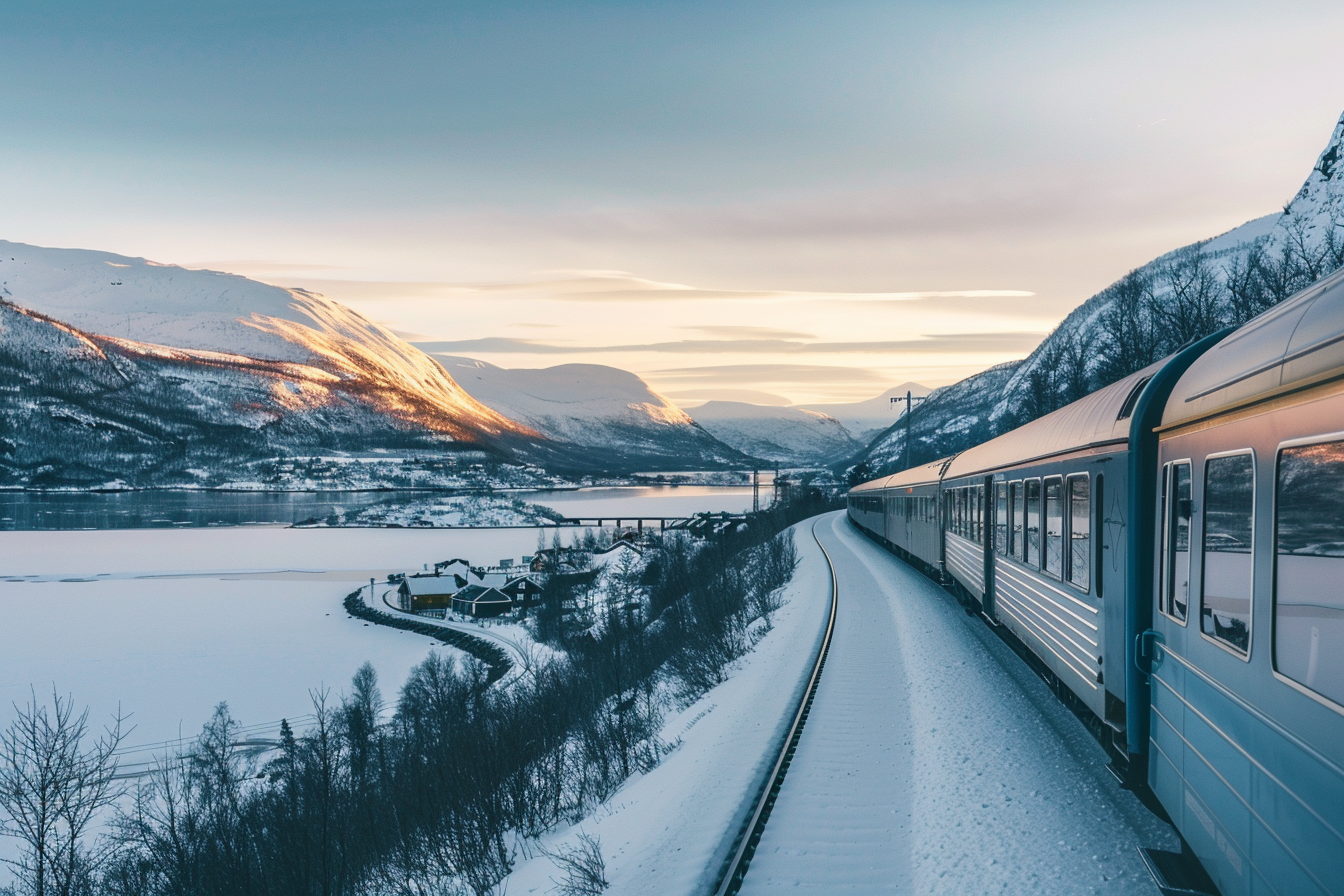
(1130,336)
(1193,306)
(54,779)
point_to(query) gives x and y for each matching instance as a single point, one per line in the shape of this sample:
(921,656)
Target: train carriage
(1053,492)
(903,512)
(1171,548)
(1247,663)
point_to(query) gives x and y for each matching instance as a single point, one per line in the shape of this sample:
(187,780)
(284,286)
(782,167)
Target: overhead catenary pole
(910,400)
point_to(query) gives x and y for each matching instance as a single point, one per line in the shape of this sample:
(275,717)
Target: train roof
(1097,419)
(925,474)
(1295,343)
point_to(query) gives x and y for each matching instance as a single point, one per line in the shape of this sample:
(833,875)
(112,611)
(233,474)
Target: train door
(1165,645)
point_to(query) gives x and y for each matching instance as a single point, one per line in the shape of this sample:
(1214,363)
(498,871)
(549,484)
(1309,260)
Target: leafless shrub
(584,868)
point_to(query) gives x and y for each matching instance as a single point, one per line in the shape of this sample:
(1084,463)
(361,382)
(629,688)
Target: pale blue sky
(804,148)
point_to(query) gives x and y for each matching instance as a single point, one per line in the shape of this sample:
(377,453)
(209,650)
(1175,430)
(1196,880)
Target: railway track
(748,836)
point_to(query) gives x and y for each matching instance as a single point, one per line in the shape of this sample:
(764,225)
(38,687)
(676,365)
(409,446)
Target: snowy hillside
(143,302)
(784,435)
(595,406)
(1145,315)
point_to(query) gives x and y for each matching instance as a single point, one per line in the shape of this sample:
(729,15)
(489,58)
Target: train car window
(1016,538)
(1309,567)
(1031,533)
(976,505)
(1054,526)
(1229,514)
(1079,498)
(1176,506)
(1001,517)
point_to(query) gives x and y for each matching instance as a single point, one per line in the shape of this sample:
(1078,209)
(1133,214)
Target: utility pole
(755,491)
(909,400)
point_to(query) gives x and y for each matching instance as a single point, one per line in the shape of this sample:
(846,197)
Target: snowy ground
(170,622)
(934,761)
(663,832)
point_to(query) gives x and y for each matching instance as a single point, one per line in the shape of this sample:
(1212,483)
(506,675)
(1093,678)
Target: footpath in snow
(934,761)
(665,832)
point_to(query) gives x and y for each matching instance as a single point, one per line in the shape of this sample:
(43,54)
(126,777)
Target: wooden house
(481,601)
(416,593)
(523,590)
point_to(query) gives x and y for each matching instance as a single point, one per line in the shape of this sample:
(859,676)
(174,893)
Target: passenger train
(1171,550)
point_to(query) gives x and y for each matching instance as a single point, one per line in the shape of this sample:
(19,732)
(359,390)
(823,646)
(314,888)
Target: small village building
(481,602)
(417,593)
(523,590)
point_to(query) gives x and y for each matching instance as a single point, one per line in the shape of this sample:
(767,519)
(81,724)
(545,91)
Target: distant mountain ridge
(120,369)
(1183,295)
(782,435)
(608,410)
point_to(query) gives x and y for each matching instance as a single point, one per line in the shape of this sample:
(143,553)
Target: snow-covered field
(167,623)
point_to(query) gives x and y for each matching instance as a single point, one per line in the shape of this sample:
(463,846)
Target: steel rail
(749,835)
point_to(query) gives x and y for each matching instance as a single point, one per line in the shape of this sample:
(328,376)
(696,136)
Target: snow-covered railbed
(934,761)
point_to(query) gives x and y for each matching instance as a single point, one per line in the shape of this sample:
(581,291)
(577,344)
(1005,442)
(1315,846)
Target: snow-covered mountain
(120,368)
(611,411)
(1151,311)
(783,435)
(865,419)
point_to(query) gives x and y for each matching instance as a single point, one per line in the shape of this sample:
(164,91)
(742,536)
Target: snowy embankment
(667,831)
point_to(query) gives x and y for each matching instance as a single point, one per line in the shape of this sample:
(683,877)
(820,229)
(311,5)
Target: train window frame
(1017,513)
(1167,568)
(1058,483)
(1203,531)
(1068,531)
(1002,518)
(1316,696)
(1027,484)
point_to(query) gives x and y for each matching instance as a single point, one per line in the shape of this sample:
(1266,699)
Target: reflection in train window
(978,514)
(1309,553)
(1016,539)
(1176,505)
(1054,525)
(1001,517)
(1080,529)
(1229,512)
(1032,530)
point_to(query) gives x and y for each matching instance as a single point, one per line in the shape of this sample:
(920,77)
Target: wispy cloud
(949,343)
(613,286)
(750,332)
(773,374)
